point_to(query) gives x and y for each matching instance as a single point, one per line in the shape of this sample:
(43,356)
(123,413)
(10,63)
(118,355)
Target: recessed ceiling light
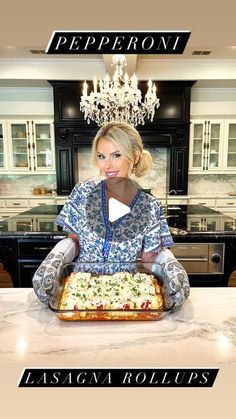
(9,47)
(37,51)
(199,52)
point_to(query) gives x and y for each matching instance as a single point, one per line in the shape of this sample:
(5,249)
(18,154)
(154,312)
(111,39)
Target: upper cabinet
(29,146)
(212,146)
(174,102)
(3,145)
(230,146)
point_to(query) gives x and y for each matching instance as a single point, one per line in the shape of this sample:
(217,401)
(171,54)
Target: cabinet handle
(43,248)
(193,259)
(229,203)
(29,146)
(16,203)
(33,144)
(201,203)
(34,162)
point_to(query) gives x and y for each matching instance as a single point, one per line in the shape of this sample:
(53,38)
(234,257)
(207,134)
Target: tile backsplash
(211,184)
(22,185)
(157,179)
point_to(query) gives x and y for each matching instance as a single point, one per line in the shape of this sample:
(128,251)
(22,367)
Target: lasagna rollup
(120,291)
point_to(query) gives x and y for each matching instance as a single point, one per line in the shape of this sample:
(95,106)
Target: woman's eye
(116,155)
(100,157)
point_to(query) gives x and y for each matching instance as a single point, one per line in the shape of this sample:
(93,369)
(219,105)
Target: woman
(118,153)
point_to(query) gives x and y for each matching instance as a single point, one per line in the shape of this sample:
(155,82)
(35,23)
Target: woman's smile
(112,173)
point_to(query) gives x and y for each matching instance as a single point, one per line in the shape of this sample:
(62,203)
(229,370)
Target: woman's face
(110,160)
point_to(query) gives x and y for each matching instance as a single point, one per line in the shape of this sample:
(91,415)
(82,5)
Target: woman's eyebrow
(114,152)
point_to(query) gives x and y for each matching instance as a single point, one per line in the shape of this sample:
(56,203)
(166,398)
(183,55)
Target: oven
(201,258)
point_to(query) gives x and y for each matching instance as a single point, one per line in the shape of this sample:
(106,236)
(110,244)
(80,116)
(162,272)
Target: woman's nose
(108,163)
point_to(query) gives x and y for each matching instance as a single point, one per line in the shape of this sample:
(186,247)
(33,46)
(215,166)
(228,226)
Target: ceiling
(28,25)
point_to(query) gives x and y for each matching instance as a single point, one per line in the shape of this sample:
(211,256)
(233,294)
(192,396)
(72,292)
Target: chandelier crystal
(118,99)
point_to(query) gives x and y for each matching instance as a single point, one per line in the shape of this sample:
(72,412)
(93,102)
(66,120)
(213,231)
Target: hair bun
(144,164)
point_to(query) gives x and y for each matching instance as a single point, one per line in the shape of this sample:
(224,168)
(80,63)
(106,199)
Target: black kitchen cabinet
(65,170)
(27,270)
(179,168)
(22,256)
(174,101)
(170,129)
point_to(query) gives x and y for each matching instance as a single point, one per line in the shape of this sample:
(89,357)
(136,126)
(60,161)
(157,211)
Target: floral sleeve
(158,235)
(70,214)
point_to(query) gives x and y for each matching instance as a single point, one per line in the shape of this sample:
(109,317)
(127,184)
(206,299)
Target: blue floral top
(143,228)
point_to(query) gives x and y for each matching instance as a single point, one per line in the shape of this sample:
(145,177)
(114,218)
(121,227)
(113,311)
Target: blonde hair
(129,143)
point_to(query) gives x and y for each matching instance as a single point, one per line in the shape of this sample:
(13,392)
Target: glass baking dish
(99,314)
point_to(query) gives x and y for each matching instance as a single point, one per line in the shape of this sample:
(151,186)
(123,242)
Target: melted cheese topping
(119,291)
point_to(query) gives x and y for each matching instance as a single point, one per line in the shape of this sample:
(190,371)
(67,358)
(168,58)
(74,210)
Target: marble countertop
(201,333)
(32,196)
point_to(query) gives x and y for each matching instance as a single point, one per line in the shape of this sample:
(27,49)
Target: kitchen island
(201,334)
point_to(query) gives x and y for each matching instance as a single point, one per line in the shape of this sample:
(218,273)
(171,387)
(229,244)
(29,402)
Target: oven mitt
(175,283)
(46,277)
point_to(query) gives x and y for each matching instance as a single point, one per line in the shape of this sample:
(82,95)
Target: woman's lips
(111,174)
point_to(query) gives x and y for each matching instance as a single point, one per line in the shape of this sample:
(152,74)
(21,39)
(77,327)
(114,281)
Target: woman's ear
(136,158)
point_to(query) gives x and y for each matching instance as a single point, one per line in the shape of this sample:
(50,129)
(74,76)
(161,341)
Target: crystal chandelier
(118,99)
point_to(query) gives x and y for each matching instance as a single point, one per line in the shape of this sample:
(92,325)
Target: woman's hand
(175,283)
(148,259)
(45,279)
(75,238)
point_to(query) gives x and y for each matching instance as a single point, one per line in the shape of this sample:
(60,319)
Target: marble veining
(202,332)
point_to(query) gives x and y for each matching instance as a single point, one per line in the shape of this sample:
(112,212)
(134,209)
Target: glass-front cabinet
(212,146)
(19,145)
(3,146)
(206,145)
(203,223)
(42,145)
(40,223)
(31,146)
(230,155)
(198,136)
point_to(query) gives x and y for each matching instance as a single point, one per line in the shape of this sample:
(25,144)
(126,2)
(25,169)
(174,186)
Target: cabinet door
(178,177)
(26,272)
(23,224)
(65,170)
(19,144)
(230,155)
(195,223)
(203,223)
(197,146)
(3,147)
(43,146)
(211,223)
(229,225)
(206,146)
(45,224)
(213,146)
